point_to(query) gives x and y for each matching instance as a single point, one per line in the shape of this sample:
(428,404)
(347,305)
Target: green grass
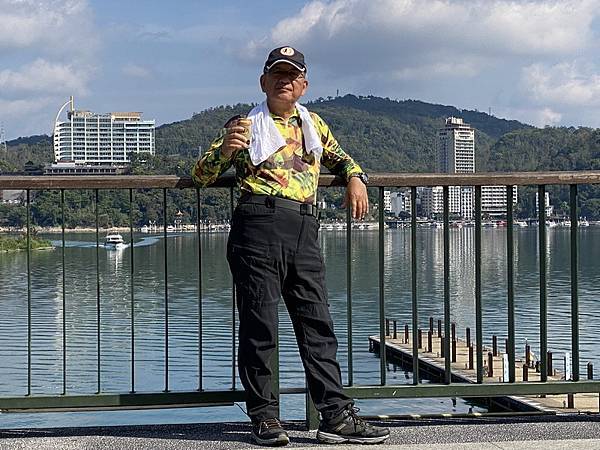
(20,243)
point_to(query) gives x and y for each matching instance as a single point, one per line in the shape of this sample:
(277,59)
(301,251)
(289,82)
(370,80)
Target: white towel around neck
(266,138)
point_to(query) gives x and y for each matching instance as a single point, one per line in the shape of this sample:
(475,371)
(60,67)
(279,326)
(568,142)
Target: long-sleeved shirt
(290,172)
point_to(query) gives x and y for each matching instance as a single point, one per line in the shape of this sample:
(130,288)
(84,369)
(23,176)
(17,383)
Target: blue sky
(531,60)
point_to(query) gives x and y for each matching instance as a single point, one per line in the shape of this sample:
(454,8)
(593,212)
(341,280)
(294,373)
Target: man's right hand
(234,140)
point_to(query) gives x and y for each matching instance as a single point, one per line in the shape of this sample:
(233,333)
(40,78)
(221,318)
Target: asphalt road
(555,432)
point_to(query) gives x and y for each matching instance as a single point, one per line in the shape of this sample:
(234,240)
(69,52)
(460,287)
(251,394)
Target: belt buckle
(304,209)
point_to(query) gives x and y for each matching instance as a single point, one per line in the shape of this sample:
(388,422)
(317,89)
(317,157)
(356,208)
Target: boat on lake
(114,241)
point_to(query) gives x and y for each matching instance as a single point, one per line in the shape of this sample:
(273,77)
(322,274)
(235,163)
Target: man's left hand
(356,197)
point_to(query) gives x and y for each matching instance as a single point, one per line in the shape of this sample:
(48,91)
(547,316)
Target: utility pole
(3,148)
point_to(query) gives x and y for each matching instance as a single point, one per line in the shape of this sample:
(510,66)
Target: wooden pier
(432,367)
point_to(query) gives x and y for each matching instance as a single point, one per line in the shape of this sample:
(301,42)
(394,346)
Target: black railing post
(478,306)
(447,340)
(574,283)
(349,296)
(510,263)
(382,353)
(413,272)
(200,311)
(132,291)
(543,294)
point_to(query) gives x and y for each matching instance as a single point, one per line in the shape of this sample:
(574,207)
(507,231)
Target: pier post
(527,354)
(470,357)
(590,371)
(495,345)
(420,339)
(549,364)
(431,324)
(439,328)
(429,340)
(395,329)
(387,327)
(453,350)
(568,376)
(453,331)
(490,364)
(442,355)
(525,372)
(405,334)
(468,336)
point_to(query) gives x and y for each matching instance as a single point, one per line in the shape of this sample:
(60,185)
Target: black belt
(305,209)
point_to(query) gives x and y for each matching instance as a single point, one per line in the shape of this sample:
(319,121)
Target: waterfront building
(387,201)
(100,139)
(548,206)
(400,203)
(456,155)
(493,200)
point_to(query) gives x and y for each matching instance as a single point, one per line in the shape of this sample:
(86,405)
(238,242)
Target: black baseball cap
(285,55)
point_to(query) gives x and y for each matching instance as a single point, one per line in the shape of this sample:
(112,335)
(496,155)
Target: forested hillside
(382,134)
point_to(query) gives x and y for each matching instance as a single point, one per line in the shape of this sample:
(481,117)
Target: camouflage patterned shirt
(290,172)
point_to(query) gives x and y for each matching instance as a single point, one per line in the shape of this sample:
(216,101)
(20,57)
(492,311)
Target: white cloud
(49,51)
(408,34)
(56,26)
(44,76)
(571,84)
(135,71)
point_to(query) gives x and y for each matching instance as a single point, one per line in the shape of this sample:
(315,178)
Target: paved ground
(556,432)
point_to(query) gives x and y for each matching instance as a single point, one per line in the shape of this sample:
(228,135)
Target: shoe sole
(273,442)
(330,438)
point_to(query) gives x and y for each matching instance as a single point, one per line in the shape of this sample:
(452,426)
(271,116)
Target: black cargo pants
(273,253)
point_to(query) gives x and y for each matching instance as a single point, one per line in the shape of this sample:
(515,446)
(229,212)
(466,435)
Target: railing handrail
(381,179)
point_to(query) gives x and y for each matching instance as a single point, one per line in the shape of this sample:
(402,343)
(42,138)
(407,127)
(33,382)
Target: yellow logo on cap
(287,51)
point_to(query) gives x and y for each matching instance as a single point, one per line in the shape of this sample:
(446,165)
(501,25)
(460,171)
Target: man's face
(283,83)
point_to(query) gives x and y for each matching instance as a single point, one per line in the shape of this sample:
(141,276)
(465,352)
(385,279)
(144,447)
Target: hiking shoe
(349,427)
(269,432)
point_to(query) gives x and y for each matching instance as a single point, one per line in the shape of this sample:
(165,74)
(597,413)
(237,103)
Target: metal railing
(203,397)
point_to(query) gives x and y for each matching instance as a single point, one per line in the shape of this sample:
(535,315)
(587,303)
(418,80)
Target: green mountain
(381,134)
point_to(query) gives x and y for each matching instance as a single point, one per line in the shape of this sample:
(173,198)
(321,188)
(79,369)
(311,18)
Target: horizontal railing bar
(158,399)
(375,180)
(129,400)
(473,390)
(228,397)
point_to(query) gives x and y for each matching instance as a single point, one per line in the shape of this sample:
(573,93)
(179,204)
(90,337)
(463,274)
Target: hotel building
(101,139)
(456,155)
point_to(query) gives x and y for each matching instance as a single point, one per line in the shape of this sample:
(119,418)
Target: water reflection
(119,302)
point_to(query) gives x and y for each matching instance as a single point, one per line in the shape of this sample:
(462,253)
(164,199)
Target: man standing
(273,249)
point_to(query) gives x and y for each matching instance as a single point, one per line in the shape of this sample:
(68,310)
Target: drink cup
(247,124)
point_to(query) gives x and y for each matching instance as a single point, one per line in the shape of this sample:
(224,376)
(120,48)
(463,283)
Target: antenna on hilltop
(3,148)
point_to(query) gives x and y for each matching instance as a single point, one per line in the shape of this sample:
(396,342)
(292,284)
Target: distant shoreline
(59,230)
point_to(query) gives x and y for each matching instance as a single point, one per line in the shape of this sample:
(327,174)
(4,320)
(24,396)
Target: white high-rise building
(400,202)
(548,207)
(387,202)
(456,154)
(90,138)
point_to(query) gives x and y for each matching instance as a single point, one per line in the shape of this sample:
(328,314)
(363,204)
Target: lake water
(149,291)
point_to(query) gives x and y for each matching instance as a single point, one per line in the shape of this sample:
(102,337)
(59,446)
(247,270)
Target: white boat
(171,229)
(114,241)
(145,229)
(520,223)
(583,222)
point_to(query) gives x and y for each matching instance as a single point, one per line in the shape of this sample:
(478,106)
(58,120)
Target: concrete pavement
(556,432)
